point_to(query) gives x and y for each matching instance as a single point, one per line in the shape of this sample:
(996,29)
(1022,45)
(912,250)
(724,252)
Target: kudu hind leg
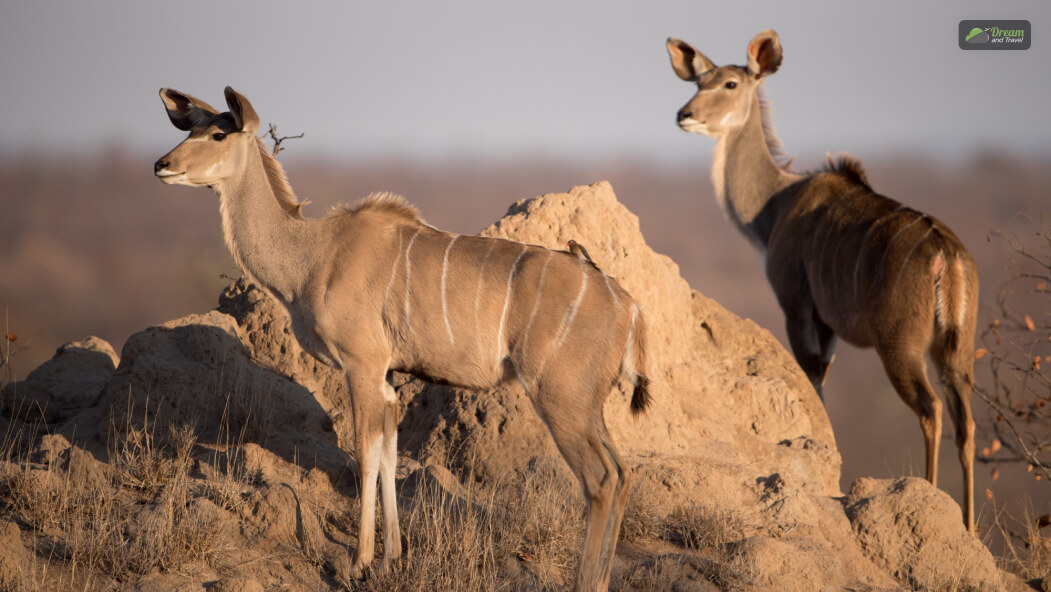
(907,373)
(620,499)
(604,478)
(957,384)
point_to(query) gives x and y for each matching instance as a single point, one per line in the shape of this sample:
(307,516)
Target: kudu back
(842,259)
(372,288)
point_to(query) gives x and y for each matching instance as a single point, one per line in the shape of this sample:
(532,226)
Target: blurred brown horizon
(94,245)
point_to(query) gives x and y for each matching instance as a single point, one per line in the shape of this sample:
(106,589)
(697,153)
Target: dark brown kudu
(842,259)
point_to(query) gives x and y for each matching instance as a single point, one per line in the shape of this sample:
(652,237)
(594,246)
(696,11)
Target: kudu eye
(731,84)
(218,136)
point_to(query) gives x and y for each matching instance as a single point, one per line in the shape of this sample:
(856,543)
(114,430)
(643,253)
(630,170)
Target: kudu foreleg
(376,447)
(388,470)
(813,345)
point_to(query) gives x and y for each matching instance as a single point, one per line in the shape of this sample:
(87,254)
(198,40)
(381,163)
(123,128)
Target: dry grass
(99,525)
(1026,552)
(520,536)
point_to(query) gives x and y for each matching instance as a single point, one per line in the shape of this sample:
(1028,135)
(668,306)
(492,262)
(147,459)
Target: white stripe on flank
(481,282)
(887,249)
(445,273)
(612,292)
(536,304)
(861,249)
(571,314)
(408,279)
(507,301)
(905,263)
(393,273)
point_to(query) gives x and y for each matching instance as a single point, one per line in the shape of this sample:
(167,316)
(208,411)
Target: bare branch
(1016,354)
(277,140)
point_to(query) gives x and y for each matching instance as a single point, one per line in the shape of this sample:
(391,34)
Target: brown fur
(372,289)
(848,166)
(844,262)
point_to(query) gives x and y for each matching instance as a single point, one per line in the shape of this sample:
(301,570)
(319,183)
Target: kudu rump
(843,260)
(372,288)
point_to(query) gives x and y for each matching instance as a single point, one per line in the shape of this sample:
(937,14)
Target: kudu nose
(683,115)
(160,165)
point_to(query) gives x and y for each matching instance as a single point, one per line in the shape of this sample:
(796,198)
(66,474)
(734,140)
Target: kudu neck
(746,178)
(266,240)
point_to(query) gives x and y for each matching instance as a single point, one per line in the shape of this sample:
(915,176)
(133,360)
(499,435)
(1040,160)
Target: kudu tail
(634,363)
(952,302)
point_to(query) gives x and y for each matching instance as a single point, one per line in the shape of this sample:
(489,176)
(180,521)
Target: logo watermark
(994,34)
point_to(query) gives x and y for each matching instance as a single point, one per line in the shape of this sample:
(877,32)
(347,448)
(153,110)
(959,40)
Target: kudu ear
(244,115)
(764,54)
(184,110)
(687,62)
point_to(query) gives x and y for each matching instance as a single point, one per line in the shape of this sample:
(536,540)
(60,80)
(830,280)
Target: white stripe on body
(609,286)
(571,314)
(861,248)
(890,247)
(445,273)
(905,263)
(536,304)
(481,282)
(393,273)
(408,280)
(500,349)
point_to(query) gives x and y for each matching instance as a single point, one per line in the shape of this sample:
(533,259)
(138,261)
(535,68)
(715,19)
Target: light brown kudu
(372,288)
(843,260)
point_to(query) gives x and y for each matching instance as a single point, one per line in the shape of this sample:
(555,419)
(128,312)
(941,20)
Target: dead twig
(272,132)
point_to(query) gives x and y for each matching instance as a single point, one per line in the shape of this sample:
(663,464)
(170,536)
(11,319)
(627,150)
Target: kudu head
(218,144)
(725,94)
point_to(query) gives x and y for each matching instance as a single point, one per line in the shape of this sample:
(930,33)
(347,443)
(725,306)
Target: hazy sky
(560,79)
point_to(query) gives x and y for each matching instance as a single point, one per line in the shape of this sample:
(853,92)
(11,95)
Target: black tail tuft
(640,398)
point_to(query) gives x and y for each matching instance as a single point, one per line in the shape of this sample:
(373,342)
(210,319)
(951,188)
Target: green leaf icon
(974,31)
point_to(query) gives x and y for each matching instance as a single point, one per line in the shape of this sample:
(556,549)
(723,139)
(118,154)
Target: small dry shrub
(698,526)
(643,515)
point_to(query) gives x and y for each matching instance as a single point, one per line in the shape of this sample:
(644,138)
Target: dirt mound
(901,526)
(247,439)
